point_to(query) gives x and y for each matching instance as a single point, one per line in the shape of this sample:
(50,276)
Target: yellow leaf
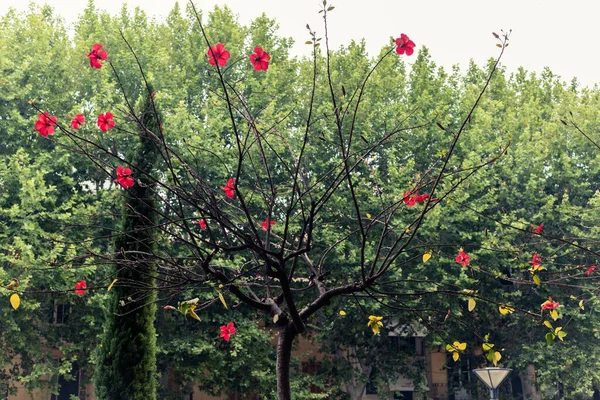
(112,284)
(554,314)
(426,256)
(547,324)
(581,304)
(368,215)
(537,280)
(223,301)
(342,313)
(460,346)
(498,45)
(497,357)
(487,346)
(15,301)
(506,309)
(455,356)
(472,304)
(275,318)
(194,315)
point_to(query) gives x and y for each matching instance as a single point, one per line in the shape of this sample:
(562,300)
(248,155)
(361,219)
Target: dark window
(59,314)
(311,368)
(68,388)
(371,385)
(404,396)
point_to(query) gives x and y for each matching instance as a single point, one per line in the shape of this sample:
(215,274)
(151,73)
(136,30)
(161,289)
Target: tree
(127,361)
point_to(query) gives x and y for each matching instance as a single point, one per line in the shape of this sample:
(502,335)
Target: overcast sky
(545,32)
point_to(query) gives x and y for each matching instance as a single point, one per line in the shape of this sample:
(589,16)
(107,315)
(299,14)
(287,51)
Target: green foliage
(53,201)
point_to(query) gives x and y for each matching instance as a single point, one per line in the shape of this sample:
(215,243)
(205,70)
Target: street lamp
(493,378)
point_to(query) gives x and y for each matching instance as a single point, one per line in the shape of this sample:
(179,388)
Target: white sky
(545,32)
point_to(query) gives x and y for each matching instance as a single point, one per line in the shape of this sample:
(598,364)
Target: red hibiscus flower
(77,121)
(549,304)
(106,122)
(590,270)
(539,229)
(45,124)
(536,260)
(230,188)
(201,223)
(266,223)
(421,198)
(462,258)
(80,287)
(218,54)
(227,331)
(409,198)
(96,55)
(404,45)
(124,177)
(260,59)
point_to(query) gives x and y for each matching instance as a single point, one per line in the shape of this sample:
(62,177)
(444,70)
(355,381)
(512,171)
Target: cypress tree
(127,359)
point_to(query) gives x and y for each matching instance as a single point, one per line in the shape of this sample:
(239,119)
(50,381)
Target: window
(60,313)
(371,385)
(311,367)
(66,388)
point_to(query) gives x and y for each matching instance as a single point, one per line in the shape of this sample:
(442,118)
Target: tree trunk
(356,386)
(284,355)
(528,383)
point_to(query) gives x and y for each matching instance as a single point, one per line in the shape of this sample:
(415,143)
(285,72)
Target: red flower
(590,270)
(227,331)
(266,223)
(462,258)
(539,229)
(45,124)
(536,260)
(80,287)
(77,121)
(549,304)
(106,122)
(409,198)
(229,188)
(124,177)
(421,198)
(95,55)
(218,54)
(201,223)
(405,45)
(260,59)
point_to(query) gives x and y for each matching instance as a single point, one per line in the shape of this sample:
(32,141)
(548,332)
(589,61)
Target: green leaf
(549,338)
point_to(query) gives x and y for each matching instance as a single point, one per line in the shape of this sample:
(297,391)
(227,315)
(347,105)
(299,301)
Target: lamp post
(493,378)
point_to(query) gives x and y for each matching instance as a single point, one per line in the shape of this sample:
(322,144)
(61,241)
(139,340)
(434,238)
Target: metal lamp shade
(492,377)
